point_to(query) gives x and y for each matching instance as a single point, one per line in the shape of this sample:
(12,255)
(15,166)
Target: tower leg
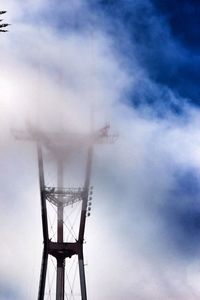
(82,276)
(60,282)
(43,275)
(60,278)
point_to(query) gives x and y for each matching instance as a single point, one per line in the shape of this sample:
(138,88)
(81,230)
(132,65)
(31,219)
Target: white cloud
(52,79)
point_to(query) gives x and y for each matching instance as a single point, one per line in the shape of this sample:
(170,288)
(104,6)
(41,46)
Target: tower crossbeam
(63,196)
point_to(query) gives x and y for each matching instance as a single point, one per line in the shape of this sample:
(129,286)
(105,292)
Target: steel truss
(60,197)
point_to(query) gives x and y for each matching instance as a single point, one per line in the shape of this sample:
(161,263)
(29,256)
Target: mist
(142,236)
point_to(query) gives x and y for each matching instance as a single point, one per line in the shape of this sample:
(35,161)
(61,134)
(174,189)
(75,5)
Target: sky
(137,64)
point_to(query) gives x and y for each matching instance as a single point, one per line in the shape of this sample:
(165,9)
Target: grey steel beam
(82,276)
(44,225)
(60,284)
(42,195)
(60,278)
(85,194)
(43,275)
(83,221)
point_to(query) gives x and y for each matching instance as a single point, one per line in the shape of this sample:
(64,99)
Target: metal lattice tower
(60,197)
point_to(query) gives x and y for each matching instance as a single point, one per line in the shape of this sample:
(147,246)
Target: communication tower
(58,146)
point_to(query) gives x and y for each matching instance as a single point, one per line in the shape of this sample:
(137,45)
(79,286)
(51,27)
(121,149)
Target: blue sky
(137,62)
(165,35)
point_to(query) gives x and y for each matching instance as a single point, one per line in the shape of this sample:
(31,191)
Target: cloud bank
(142,238)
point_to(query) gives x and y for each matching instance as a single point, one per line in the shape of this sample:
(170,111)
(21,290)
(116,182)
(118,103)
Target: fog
(142,235)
